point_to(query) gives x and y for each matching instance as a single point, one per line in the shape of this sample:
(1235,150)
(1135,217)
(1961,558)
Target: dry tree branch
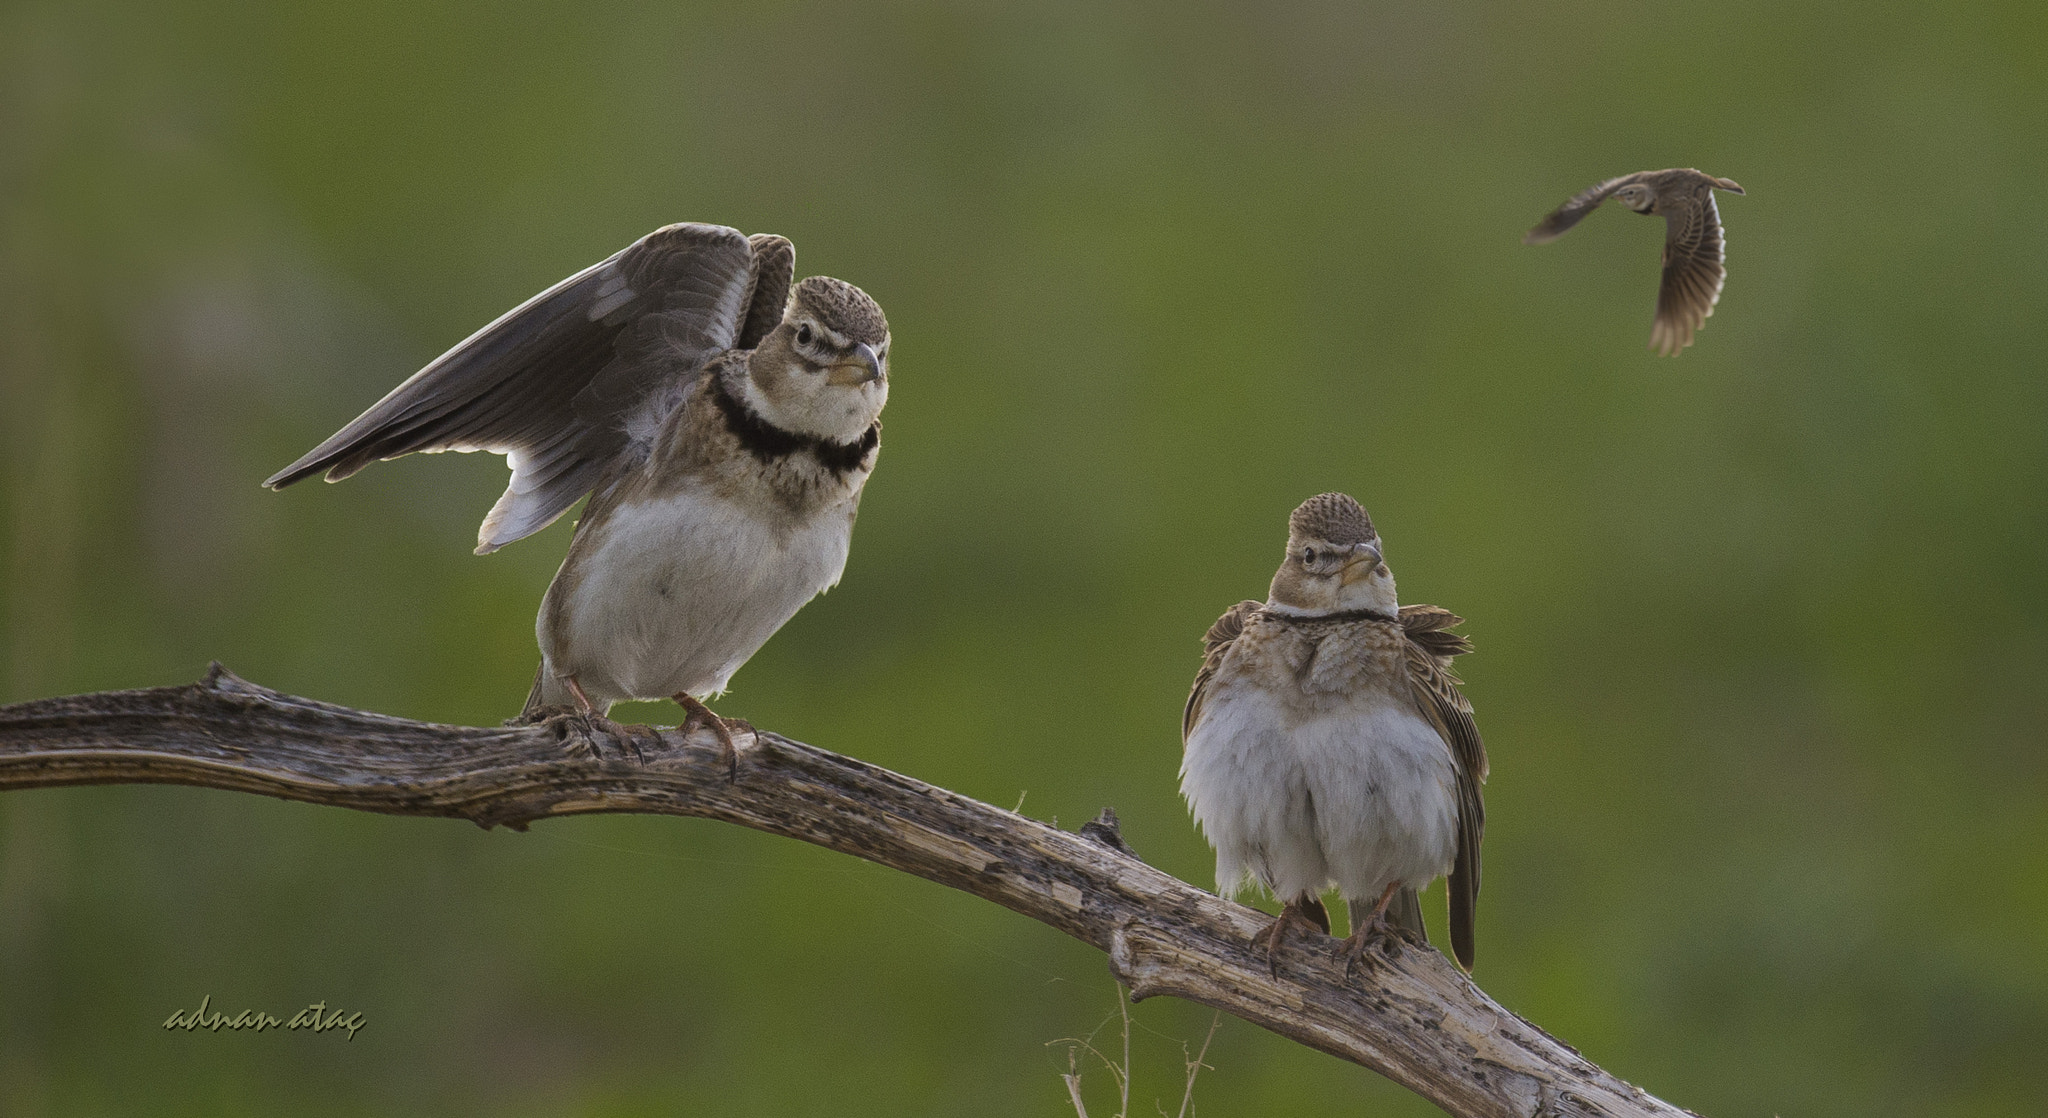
(1417,1019)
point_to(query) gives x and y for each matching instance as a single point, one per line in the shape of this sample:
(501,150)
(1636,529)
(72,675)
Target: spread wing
(1693,272)
(1430,648)
(774,267)
(1581,204)
(1215,646)
(555,383)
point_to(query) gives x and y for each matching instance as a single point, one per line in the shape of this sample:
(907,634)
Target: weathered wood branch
(1415,1019)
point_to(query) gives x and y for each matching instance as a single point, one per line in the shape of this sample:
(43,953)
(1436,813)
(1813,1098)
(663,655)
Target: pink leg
(1303,912)
(1372,929)
(700,715)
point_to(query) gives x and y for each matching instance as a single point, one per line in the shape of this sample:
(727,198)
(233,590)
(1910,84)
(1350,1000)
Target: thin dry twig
(1195,1066)
(1120,1072)
(1417,1020)
(1073,1081)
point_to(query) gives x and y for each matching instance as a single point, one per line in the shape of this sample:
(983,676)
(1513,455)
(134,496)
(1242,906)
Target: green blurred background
(1763,635)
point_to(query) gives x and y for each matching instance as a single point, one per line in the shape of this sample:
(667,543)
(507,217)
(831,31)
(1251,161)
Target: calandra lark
(723,423)
(1693,268)
(1327,742)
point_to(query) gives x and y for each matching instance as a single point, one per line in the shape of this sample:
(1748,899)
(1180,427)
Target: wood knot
(1103,830)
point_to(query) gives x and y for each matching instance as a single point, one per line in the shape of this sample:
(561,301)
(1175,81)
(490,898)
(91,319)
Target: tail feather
(533,694)
(1404,911)
(548,691)
(1312,908)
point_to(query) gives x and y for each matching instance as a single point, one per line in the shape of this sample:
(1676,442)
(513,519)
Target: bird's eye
(803,334)
(1308,556)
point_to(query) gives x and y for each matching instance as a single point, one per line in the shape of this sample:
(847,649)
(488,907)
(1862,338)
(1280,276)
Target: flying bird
(723,423)
(1327,743)
(1693,268)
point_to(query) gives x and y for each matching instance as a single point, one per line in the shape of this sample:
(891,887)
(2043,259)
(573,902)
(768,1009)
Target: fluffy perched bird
(723,422)
(1693,245)
(1327,742)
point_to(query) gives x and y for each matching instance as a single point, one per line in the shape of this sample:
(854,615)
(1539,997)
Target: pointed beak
(867,361)
(859,367)
(1364,560)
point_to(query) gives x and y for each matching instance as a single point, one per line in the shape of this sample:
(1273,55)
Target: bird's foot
(1306,915)
(538,715)
(585,735)
(1357,948)
(596,729)
(721,728)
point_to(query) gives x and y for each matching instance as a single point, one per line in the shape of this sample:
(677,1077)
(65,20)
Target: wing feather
(1579,205)
(1435,686)
(1215,646)
(1694,270)
(774,267)
(553,383)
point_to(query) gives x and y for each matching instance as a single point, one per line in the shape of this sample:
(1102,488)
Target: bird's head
(1333,561)
(824,370)
(1636,196)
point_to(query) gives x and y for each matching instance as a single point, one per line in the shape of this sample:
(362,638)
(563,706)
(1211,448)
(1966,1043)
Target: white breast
(684,589)
(1358,795)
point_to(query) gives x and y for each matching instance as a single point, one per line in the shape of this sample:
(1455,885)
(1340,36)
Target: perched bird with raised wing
(1327,743)
(724,423)
(1693,245)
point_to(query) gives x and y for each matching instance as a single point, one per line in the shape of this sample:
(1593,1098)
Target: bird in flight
(723,423)
(1693,267)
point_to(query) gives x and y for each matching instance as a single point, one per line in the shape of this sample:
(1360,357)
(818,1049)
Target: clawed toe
(538,715)
(583,740)
(1267,943)
(1305,915)
(630,736)
(1356,950)
(721,728)
(580,747)
(596,729)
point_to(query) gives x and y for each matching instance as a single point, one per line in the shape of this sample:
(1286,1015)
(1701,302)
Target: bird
(724,423)
(1326,742)
(1693,245)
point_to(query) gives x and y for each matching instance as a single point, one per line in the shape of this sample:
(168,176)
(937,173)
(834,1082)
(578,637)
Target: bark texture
(1416,1019)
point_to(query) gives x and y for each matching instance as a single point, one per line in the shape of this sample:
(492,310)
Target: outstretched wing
(1215,646)
(555,383)
(774,267)
(1430,649)
(1581,204)
(1693,272)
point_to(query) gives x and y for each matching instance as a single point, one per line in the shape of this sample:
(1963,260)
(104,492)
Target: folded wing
(1215,646)
(1430,648)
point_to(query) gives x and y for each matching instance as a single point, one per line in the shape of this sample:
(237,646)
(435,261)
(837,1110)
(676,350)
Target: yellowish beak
(1365,559)
(863,366)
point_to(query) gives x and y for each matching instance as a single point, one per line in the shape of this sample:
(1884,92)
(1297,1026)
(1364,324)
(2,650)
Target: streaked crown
(841,308)
(1332,518)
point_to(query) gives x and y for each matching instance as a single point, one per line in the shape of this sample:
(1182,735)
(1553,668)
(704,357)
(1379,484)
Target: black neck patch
(769,443)
(1341,615)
